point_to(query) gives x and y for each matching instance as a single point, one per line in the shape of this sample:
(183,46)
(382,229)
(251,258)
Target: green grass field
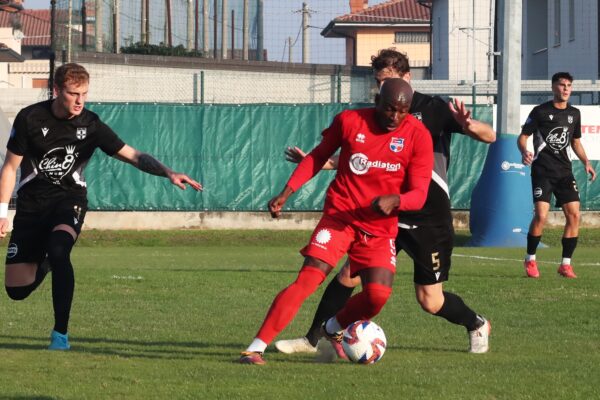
(164,315)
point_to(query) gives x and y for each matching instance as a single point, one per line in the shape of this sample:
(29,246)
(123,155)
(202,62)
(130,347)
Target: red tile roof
(393,11)
(35,24)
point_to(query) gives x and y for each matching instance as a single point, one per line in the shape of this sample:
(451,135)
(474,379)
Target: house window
(557,22)
(40,53)
(571,19)
(411,37)
(39,83)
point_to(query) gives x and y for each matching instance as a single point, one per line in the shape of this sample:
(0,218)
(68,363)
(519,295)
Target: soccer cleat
(252,357)
(531,269)
(566,271)
(330,346)
(479,338)
(58,341)
(291,346)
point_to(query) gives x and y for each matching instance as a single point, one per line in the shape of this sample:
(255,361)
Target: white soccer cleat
(291,346)
(479,338)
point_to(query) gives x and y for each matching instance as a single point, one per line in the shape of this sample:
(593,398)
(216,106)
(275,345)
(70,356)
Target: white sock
(257,345)
(333,326)
(530,257)
(566,261)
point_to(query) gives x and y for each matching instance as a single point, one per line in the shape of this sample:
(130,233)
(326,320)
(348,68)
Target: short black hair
(562,75)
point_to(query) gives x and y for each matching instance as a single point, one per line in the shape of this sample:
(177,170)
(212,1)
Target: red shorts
(332,239)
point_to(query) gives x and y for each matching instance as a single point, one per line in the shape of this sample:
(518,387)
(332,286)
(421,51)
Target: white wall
(461,39)
(578,56)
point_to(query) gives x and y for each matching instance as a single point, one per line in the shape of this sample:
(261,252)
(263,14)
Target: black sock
(532,243)
(63,277)
(334,298)
(22,292)
(456,311)
(568,246)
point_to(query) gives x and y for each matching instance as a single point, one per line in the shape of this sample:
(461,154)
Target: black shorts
(564,188)
(34,221)
(430,247)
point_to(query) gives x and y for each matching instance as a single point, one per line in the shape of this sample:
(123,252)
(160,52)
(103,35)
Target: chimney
(358,5)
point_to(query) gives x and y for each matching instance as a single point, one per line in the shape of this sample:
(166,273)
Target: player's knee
(430,305)
(59,247)
(307,282)
(18,292)
(345,279)
(375,297)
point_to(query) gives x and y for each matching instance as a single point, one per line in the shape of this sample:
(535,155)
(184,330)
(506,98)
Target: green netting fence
(236,152)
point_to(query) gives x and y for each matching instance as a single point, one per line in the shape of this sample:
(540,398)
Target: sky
(283,21)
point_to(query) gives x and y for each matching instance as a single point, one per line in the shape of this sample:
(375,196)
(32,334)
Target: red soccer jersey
(372,163)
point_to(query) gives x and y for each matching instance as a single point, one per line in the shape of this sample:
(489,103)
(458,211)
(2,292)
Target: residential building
(403,24)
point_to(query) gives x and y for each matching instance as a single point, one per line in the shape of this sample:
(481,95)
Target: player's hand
(386,204)
(181,180)
(294,154)
(460,113)
(3,227)
(275,205)
(590,170)
(527,157)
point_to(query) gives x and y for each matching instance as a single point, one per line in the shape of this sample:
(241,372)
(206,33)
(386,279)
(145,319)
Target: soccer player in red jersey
(385,165)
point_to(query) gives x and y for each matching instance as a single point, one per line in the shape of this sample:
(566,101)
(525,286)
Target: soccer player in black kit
(555,125)
(426,235)
(52,142)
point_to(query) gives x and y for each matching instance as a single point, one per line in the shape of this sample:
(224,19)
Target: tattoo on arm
(151,165)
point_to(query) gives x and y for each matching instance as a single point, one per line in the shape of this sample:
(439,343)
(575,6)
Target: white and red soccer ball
(364,342)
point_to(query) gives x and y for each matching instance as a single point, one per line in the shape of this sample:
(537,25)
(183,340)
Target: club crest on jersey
(45,131)
(397,144)
(558,138)
(570,119)
(57,163)
(360,138)
(418,116)
(551,117)
(81,133)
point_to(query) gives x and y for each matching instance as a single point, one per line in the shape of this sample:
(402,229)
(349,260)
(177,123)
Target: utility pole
(245,32)
(205,26)
(116,27)
(289,49)
(143,20)
(224,38)
(190,25)
(509,82)
(69,30)
(306,12)
(98,28)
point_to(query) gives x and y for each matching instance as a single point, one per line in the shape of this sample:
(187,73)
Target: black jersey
(553,131)
(56,151)
(434,113)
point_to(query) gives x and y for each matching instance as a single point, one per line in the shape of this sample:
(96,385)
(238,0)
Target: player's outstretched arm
(8,176)
(476,129)
(580,152)
(295,155)
(145,162)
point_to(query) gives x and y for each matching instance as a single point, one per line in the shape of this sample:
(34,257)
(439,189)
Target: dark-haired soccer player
(52,142)
(555,125)
(384,166)
(425,235)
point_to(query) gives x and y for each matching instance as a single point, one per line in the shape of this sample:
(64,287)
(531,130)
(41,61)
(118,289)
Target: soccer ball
(364,342)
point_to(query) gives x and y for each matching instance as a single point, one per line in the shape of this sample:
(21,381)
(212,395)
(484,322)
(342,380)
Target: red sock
(364,305)
(287,303)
